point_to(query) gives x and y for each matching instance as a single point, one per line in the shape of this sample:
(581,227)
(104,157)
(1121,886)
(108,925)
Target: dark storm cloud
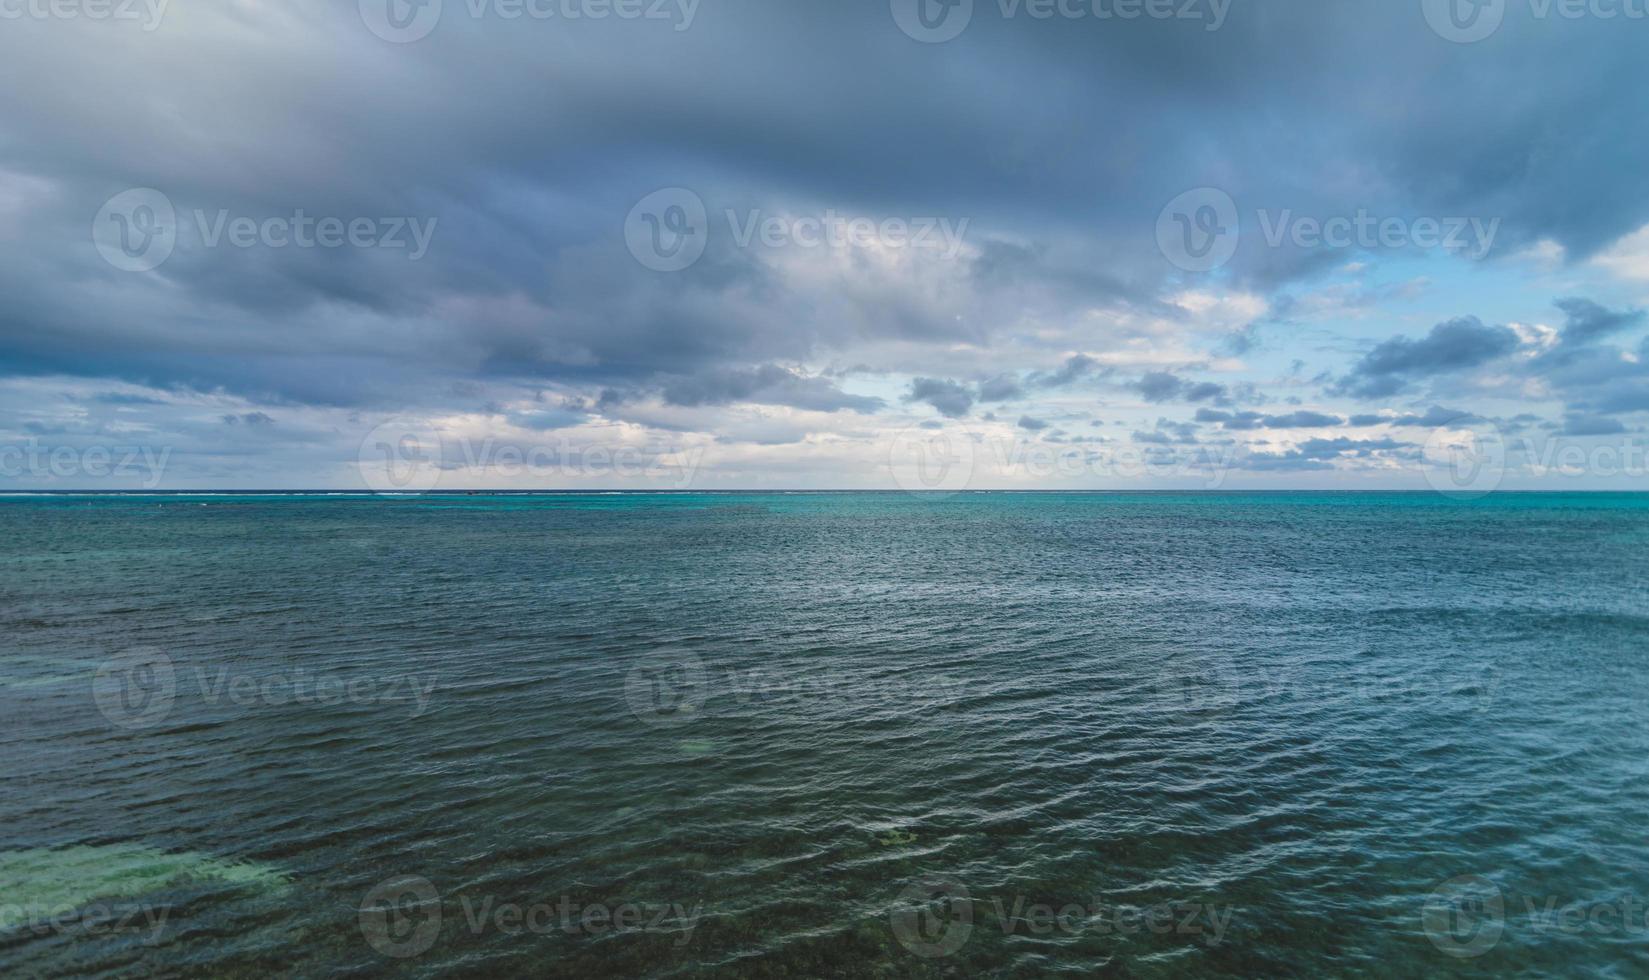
(767,385)
(1595,378)
(1432,417)
(1247,421)
(1003,388)
(1168,432)
(951,399)
(529,143)
(1588,321)
(1627,394)
(1183,432)
(114,398)
(1591,425)
(1592,378)
(1203,391)
(1454,345)
(1319,454)
(1303,420)
(1075,368)
(1232,421)
(1162,386)
(569,413)
(1159,386)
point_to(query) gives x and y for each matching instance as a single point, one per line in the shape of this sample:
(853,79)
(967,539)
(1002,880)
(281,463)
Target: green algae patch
(72,877)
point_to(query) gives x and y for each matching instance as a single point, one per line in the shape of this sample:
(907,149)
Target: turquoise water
(816,735)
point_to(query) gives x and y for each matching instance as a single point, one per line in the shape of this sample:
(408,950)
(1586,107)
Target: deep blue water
(825,735)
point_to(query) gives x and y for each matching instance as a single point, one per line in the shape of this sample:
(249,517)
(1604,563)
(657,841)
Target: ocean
(825,735)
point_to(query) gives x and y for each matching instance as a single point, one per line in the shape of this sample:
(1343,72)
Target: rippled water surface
(825,735)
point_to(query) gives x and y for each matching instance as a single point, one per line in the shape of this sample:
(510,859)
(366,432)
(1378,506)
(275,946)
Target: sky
(790,244)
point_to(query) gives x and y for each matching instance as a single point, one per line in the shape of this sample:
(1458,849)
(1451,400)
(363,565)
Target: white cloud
(1628,258)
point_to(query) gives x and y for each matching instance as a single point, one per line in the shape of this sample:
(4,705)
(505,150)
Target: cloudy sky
(822,243)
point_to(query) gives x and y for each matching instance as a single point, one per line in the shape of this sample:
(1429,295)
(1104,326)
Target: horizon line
(322,491)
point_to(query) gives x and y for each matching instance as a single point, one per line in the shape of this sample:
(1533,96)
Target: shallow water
(826,734)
